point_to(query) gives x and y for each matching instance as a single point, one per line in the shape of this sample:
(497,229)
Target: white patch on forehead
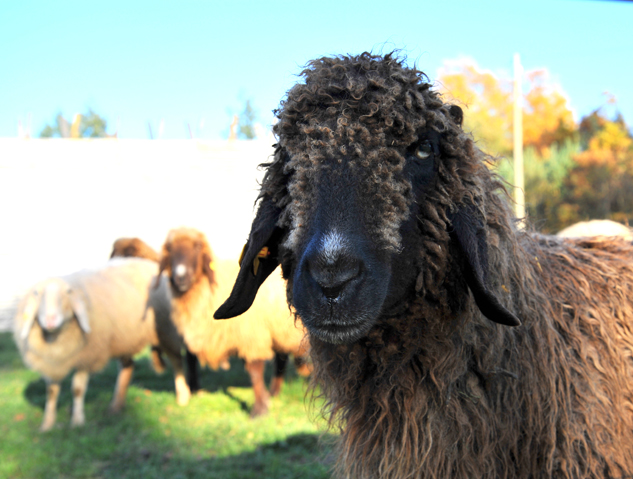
(180,270)
(50,314)
(51,297)
(332,244)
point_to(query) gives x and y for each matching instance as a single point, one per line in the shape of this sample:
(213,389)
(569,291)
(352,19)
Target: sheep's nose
(334,278)
(332,265)
(180,270)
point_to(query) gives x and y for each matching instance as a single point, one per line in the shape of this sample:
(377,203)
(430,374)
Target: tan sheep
(137,248)
(133,248)
(82,320)
(198,287)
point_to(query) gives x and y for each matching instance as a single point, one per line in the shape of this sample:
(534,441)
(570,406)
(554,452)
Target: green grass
(212,437)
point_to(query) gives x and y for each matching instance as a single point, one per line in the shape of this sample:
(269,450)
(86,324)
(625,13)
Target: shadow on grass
(102,384)
(305,456)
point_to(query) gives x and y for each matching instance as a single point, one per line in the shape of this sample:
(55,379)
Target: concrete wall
(64,202)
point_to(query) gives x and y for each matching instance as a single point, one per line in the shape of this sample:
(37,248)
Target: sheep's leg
(50,410)
(302,366)
(122,382)
(79,388)
(262,398)
(183,393)
(280,368)
(192,371)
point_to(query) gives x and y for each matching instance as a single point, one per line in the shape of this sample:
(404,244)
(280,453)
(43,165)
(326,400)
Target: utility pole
(519,182)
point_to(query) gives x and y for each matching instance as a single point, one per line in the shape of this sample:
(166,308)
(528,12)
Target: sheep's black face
(342,281)
(340,277)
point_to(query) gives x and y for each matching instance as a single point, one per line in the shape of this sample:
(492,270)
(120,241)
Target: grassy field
(213,437)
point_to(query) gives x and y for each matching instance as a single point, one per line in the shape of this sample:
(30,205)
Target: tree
(246,125)
(488,102)
(89,125)
(547,118)
(549,133)
(601,182)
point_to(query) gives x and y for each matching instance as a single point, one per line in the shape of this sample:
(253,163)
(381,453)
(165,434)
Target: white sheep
(82,320)
(597,228)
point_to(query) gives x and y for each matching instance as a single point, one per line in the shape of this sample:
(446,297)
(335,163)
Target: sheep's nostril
(333,278)
(333,293)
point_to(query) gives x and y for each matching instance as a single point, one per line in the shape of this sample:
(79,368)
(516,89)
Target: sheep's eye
(424,150)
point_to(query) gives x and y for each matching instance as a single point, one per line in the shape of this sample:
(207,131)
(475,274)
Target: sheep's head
(132,248)
(373,190)
(53,303)
(186,257)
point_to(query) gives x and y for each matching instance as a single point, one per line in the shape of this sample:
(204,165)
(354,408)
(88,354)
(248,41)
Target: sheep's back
(118,296)
(267,326)
(121,322)
(588,326)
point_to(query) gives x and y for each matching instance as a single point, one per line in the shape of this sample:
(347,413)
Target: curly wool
(435,389)
(364,109)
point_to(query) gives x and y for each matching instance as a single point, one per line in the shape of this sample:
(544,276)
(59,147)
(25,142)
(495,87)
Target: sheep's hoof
(259,409)
(77,422)
(116,408)
(183,398)
(47,426)
(275,386)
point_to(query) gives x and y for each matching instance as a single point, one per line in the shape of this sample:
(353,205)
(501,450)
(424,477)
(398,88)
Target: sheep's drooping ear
(469,232)
(80,310)
(259,259)
(207,269)
(162,266)
(31,306)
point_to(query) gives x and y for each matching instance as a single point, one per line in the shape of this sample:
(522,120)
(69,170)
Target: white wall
(64,202)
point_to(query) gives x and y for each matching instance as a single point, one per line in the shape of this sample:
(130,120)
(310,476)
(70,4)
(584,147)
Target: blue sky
(196,62)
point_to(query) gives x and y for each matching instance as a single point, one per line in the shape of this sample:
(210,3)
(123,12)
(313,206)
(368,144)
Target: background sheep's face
(186,257)
(53,303)
(54,308)
(185,264)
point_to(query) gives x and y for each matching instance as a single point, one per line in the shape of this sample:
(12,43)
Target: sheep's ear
(207,269)
(31,306)
(162,266)
(469,232)
(259,259)
(456,114)
(79,308)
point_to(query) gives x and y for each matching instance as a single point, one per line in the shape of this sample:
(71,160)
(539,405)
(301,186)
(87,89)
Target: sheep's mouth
(341,316)
(339,333)
(333,324)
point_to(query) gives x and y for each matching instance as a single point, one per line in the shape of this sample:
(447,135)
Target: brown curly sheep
(407,268)
(198,285)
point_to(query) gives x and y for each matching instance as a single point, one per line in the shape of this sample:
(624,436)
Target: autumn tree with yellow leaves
(573,171)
